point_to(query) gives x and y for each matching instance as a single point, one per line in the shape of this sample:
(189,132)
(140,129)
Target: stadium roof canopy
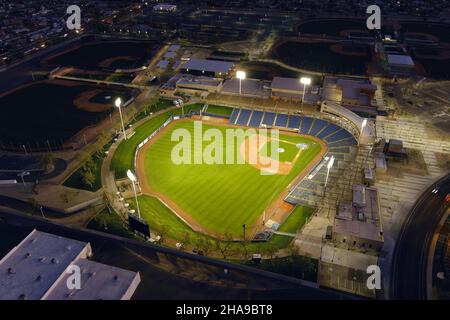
(209,65)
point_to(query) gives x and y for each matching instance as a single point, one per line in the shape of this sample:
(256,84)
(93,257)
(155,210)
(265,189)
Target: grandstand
(341,144)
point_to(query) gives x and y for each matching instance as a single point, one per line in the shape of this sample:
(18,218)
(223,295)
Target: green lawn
(221,197)
(124,156)
(296,219)
(221,110)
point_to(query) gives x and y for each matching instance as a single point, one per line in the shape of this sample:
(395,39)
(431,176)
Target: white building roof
(98,282)
(36,269)
(33,266)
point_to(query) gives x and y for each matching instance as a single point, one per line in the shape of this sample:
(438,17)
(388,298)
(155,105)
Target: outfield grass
(220,197)
(123,158)
(162,219)
(221,110)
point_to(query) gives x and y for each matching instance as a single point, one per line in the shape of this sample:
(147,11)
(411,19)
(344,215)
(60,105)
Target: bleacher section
(317,127)
(234,115)
(244,116)
(340,145)
(281,120)
(329,130)
(255,121)
(306,125)
(332,134)
(294,122)
(269,118)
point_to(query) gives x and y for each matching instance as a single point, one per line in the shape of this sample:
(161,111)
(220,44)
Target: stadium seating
(340,135)
(338,139)
(294,122)
(244,116)
(306,125)
(269,118)
(281,120)
(317,126)
(255,120)
(332,128)
(234,115)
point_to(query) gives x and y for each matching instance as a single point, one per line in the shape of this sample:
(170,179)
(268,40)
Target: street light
(240,75)
(118,104)
(306,82)
(133,179)
(363,125)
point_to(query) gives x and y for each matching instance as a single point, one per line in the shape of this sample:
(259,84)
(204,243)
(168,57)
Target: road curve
(409,269)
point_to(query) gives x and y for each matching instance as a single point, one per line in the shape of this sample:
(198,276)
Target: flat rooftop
(33,266)
(400,60)
(209,65)
(347,258)
(36,270)
(98,282)
(287,84)
(360,218)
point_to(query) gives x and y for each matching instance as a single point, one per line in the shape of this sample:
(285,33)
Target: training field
(220,198)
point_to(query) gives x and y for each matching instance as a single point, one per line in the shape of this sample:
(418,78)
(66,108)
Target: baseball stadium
(239,201)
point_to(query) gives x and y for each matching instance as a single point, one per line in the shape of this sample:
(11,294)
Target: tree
(88,178)
(162,233)
(186,239)
(271,250)
(47,161)
(223,245)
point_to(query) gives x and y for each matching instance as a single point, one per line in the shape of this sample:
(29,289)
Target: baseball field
(218,199)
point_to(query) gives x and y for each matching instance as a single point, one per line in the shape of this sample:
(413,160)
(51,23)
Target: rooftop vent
(55,261)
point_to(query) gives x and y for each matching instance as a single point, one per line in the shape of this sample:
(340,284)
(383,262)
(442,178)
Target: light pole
(42,212)
(240,75)
(306,82)
(133,179)
(329,166)
(118,104)
(363,125)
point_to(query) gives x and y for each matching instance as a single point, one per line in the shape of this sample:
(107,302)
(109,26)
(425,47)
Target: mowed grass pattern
(221,197)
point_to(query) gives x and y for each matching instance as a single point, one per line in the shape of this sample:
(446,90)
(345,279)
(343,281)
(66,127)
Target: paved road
(409,272)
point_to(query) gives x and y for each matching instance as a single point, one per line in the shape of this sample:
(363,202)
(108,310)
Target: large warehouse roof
(209,65)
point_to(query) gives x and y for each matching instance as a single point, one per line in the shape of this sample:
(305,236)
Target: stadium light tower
(306,82)
(133,179)
(118,104)
(240,75)
(363,125)
(329,166)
